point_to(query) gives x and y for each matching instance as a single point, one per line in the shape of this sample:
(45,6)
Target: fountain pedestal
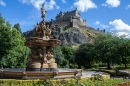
(42,53)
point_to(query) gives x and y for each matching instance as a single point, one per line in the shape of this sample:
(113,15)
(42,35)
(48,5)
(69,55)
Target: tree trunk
(125,65)
(108,65)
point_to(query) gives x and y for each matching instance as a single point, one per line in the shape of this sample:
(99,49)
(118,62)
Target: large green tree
(124,51)
(5,39)
(17,56)
(85,55)
(106,48)
(12,49)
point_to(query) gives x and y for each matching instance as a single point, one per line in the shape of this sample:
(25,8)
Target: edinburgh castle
(71,18)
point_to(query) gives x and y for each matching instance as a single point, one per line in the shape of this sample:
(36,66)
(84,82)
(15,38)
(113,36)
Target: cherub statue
(38,30)
(50,58)
(37,27)
(47,32)
(40,53)
(43,27)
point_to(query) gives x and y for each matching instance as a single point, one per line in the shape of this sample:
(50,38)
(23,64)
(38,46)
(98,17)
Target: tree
(124,51)
(17,55)
(2,21)
(106,48)
(85,55)
(68,53)
(5,39)
(12,49)
(17,26)
(58,55)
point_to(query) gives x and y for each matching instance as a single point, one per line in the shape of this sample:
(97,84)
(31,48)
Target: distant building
(69,18)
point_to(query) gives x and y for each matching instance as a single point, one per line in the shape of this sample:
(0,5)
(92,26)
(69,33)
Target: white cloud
(101,25)
(123,34)
(128,7)
(112,3)
(38,3)
(2,3)
(120,27)
(50,5)
(84,5)
(97,22)
(63,1)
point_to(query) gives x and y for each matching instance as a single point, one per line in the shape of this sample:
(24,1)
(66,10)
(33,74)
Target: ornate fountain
(41,46)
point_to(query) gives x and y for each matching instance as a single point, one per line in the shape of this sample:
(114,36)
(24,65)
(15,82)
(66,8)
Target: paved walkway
(127,71)
(86,74)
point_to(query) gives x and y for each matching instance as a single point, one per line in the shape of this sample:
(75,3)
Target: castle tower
(77,13)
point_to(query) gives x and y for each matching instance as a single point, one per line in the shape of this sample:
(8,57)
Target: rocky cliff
(76,36)
(73,36)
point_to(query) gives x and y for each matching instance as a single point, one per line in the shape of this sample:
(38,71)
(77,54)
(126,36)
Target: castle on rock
(69,18)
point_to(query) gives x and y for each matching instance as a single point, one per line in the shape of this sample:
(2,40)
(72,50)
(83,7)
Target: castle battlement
(71,18)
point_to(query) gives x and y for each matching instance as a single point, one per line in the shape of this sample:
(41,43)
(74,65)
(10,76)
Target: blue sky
(112,15)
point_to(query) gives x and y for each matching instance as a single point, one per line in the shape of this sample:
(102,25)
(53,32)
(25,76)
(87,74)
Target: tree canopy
(13,53)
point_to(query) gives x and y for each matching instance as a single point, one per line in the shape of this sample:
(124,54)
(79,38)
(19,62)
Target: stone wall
(78,21)
(59,24)
(66,16)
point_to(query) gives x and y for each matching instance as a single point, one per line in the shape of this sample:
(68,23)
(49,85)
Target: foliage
(106,49)
(17,56)
(68,53)
(64,56)
(85,55)
(17,26)
(13,53)
(109,49)
(5,39)
(124,51)
(58,55)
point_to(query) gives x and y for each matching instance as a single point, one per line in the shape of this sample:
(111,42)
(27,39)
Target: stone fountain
(41,62)
(41,46)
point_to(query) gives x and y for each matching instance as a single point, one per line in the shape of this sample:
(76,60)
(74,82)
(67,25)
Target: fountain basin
(22,74)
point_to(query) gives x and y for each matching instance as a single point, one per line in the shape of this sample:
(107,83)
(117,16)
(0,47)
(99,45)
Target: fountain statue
(41,46)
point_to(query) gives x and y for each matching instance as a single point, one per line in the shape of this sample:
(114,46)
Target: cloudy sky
(112,15)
